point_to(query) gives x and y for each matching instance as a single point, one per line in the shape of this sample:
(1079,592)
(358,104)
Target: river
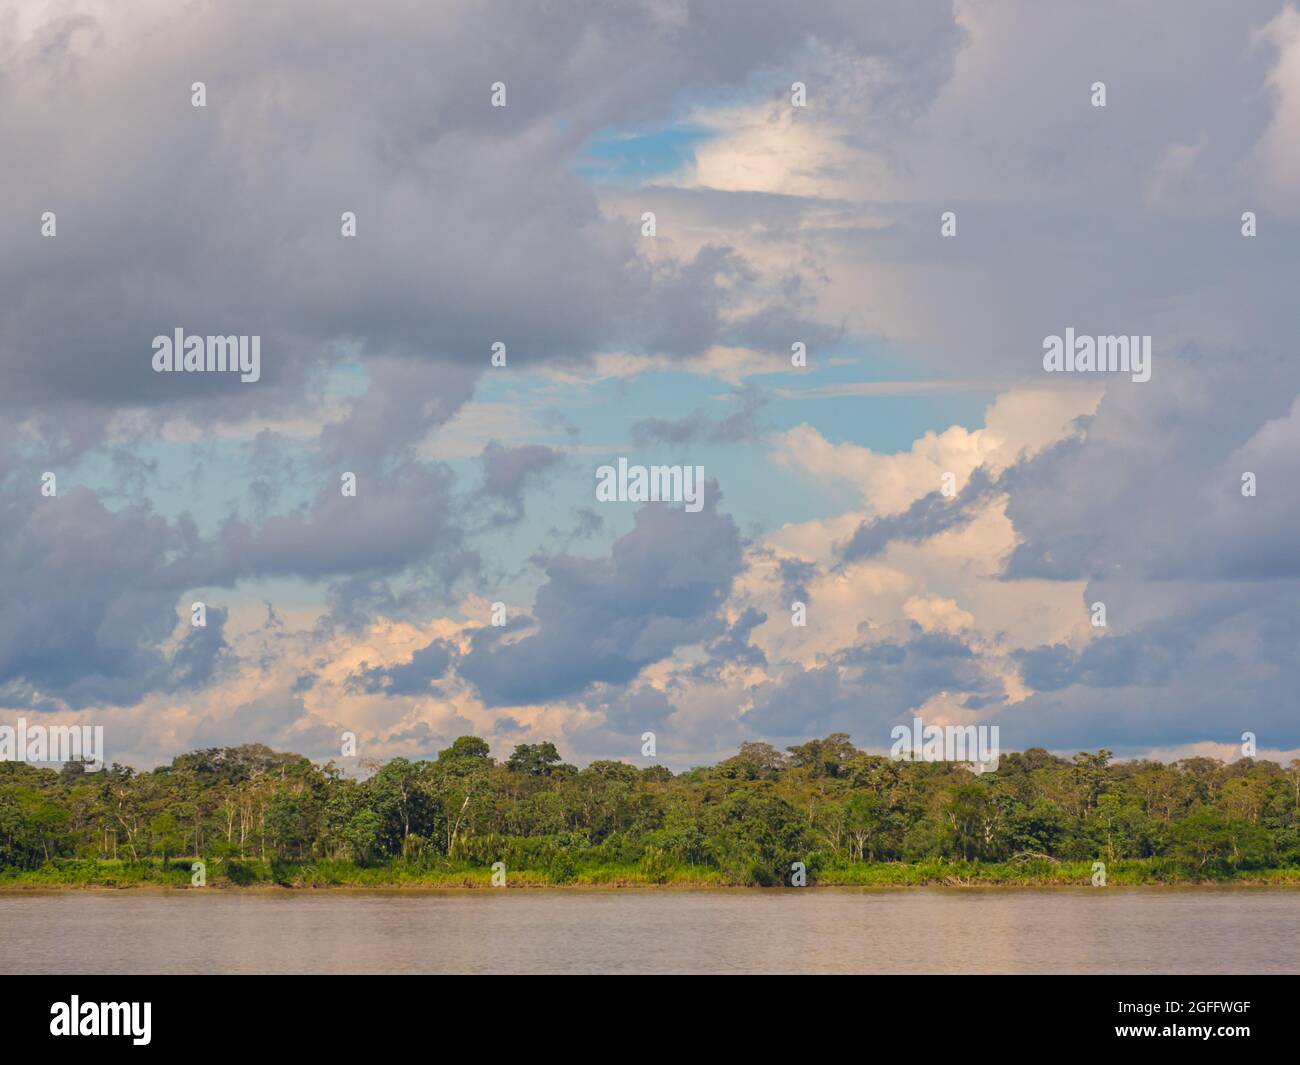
(812,930)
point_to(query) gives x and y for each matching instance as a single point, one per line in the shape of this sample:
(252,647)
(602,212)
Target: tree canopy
(822,802)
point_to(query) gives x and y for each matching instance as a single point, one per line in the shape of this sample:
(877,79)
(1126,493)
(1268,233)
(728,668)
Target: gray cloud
(866,690)
(413,677)
(930,515)
(509,471)
(740,426)
(226,218)
(606,619)
(473,227)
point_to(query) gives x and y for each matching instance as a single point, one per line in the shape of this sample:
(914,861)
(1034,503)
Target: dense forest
(252,814)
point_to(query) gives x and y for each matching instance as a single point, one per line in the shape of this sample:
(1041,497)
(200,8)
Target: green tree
(166,835)
(534,759)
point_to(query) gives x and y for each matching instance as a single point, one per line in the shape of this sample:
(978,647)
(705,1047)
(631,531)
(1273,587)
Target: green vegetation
(261,818)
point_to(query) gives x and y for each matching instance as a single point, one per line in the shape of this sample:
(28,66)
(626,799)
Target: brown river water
(813,930)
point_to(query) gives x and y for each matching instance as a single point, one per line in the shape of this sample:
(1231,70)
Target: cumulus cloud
(606,619)
(478,225)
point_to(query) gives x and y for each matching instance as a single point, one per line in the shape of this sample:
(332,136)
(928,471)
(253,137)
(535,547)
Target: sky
(947,512)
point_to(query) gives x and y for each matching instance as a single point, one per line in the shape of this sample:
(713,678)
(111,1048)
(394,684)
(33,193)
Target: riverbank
(282,875)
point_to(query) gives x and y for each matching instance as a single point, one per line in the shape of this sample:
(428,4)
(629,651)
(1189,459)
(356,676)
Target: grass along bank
(401,873)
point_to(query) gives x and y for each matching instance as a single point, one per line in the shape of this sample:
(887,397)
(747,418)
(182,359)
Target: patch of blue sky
(207,478)
(759,490)
(636,156)
(873,397)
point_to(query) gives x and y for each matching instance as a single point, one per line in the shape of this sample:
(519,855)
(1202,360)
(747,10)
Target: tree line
(823,803)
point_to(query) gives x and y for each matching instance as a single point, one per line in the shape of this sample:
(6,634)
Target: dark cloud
(91,595)
(402,403)
(606,619)
(866,690)
(509,471)
(226,219)
(632,711)
(393,521)
(1153,489)
(201,649)
(734,646)
(411,678)
(796,575)
(930,515)
(474,227)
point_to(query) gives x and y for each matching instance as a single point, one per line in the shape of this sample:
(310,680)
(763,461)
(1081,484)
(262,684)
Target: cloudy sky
(774,225)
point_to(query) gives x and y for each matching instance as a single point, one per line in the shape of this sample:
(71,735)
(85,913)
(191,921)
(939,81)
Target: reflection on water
(814,930)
